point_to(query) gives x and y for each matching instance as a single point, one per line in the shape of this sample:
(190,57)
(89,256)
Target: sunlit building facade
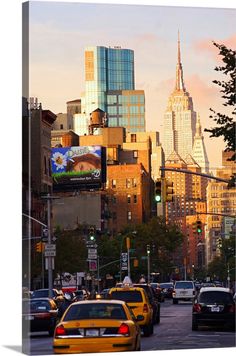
(179,118)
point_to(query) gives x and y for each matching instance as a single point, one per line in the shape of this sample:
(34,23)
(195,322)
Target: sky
(161,31)
(59,33)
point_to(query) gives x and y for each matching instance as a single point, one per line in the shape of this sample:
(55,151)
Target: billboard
(76,166)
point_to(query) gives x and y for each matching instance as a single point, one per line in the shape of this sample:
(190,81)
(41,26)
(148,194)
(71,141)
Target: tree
(226,125)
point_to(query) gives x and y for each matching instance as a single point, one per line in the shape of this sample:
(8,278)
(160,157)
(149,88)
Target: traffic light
(135,262)
(127,243)
(199,226)
(91,234)
(194,227)
(168,191)
(219,242)
(39,246)
(158,195)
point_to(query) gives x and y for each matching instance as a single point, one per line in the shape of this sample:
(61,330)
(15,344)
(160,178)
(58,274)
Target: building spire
(179,84)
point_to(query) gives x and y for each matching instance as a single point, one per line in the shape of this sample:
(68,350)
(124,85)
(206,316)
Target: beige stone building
(221,204)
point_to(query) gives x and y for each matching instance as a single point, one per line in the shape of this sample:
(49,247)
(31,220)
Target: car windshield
(215,297)
(184,285)
(95,311)
(127,296)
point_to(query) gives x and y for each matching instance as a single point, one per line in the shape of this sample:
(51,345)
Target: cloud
(206,46)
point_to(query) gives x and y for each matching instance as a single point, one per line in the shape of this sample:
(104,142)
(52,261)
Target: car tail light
(197,308)
(123,329)
(43,316)
(60,330)
(231,308)
(145,308)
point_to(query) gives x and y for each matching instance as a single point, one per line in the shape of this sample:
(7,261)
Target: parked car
(183,290)
(58,296)
(153,300)
(39,314)
(167,289)
(158,292)
(97,326)
(138,301)
(213,306)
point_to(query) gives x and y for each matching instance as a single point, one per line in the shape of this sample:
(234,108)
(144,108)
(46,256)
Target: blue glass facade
(109,86)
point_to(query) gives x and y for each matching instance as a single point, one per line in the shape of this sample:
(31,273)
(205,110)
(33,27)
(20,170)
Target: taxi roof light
(127,282)
(123,329)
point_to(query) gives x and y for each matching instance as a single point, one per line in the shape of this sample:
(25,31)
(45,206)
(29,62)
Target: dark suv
(152,300)
(213,306)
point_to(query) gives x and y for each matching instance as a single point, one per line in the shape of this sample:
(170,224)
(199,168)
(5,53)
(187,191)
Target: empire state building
(179,118)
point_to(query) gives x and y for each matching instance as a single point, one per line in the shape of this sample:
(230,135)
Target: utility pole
(148,263)
(50,259)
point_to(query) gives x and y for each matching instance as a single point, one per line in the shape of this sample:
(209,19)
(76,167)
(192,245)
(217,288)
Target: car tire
(148,330)
(158,316)
(194,325)
(175,301)
(138,345)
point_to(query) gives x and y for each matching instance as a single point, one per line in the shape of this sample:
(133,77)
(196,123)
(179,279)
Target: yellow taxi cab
(97,326)
(138,301)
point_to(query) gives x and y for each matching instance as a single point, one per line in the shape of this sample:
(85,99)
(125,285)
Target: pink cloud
(204,95)
(208,47)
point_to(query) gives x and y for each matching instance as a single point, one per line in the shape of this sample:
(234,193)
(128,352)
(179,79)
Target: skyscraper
(179,118)
(199,150)
(110,86)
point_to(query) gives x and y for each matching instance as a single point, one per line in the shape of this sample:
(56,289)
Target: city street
(173,332)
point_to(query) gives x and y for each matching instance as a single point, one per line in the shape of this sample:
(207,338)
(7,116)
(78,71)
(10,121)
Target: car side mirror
(139,318)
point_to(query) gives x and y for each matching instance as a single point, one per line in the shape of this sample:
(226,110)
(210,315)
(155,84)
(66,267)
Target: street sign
(92,256)
(93,265)
(124,261)
(91,244)
(50,247)
(92,250)
(50,253)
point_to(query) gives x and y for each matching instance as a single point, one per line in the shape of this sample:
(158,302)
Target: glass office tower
(106,69)
(109,86)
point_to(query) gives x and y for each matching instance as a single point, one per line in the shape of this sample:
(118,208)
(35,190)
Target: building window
(128,183)
(129,215)
(128,198)
(135,199)
(134,182)
(135,154)
(113,183)
(133,138)
(61,126)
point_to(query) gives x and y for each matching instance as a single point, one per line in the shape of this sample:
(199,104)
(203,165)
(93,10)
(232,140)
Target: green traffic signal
(199,226)
(158,190)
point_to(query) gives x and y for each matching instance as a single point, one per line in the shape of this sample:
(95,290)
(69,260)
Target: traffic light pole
(50,282)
